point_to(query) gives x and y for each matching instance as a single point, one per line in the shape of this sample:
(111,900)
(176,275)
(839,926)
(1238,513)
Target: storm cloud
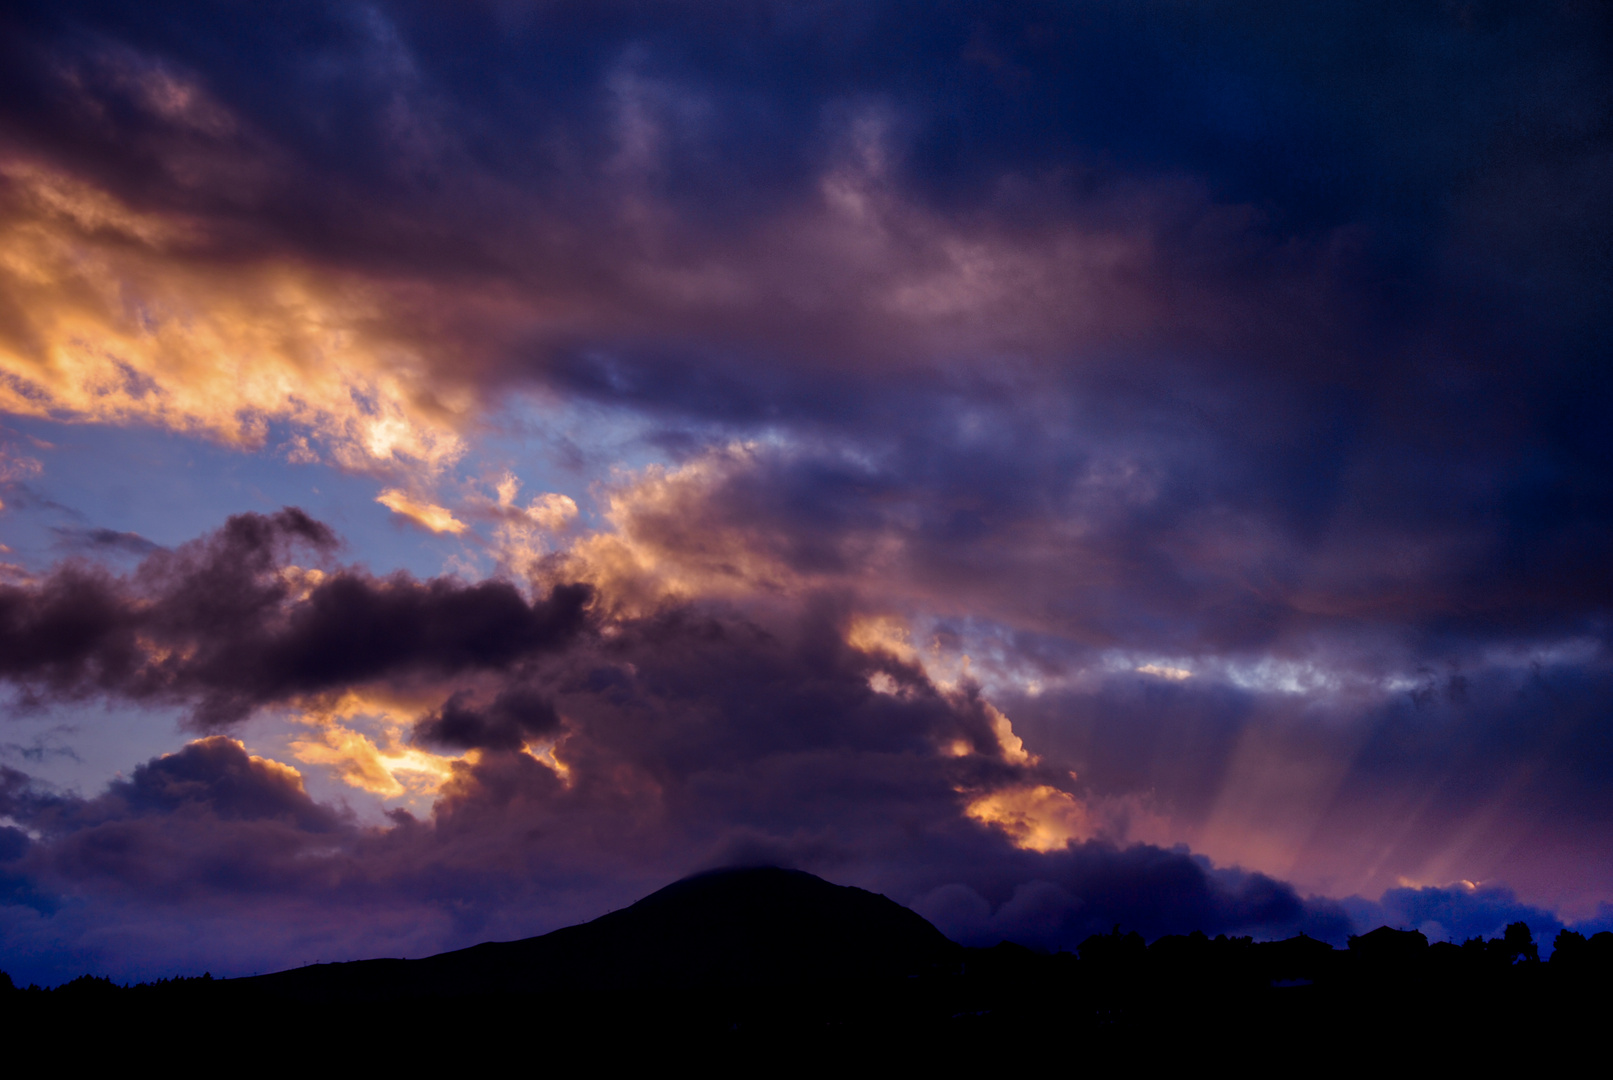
(226,625)
(694,742)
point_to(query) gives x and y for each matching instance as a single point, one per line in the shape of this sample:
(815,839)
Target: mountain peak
(731,927)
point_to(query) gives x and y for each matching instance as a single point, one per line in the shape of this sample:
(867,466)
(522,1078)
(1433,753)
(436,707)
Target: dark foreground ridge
(727,929)
(735,962)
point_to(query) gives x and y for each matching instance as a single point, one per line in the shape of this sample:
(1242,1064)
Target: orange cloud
(552,511)
(377,760)
(1036,818)
(524,534)
(666,541)
(112,317)
(427,515)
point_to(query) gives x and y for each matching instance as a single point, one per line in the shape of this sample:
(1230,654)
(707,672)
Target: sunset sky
(464,466)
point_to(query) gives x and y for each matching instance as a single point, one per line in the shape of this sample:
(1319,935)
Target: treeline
(96,986)
(1116,995)
(1230,961)
(1119,971)
(1304,961)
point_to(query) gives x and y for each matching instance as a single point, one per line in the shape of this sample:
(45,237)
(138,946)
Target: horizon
(1545,949)
(1052,465)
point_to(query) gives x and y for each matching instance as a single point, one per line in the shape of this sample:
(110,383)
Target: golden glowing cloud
(1013,747)
(388,770)
(1039,818)
(546,755)
(355,759)
(552,511)
(110,315)
(362,738)
(523,533)
(285,772)
(301,580)
(882,633)
(427,515)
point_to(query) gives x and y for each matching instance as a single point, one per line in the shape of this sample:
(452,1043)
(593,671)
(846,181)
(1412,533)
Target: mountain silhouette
(725,929)
(770,961)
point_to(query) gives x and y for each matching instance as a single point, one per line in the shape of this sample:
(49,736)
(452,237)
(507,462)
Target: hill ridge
(731,927)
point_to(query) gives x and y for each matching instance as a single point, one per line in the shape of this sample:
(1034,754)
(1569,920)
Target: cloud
(102,540)
(1455,913)
(1064,534)
(1090,888)
(14,467)
(1149,175)
(1117,339)
(217,773)
(211,826)
(1038,818)
(379,281)
(112,315)
(219,624)
(424,514)
(604,751)
(232,828)
(513,718)
(1499,772)
(1339,744)
(620,754)
(552,511)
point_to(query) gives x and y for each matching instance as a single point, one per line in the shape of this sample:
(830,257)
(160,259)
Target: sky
(463,467)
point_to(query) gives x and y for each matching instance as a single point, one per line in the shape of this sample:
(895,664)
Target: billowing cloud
(225,625)
(1090,888)
(686,739)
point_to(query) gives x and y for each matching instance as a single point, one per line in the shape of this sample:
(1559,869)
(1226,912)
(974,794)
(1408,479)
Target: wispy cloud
(426,515)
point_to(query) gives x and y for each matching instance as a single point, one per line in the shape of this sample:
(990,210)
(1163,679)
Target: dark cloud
(1149,538)
(219,624)
(216,774)
(514,717)
(25,496)
(1455,914)
(208,821)
(211,827)
(1090,889)
(691,736)
(97,541)
(1237,321)
(1315,193)
(1271,101)
(13,843)
(688,737)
